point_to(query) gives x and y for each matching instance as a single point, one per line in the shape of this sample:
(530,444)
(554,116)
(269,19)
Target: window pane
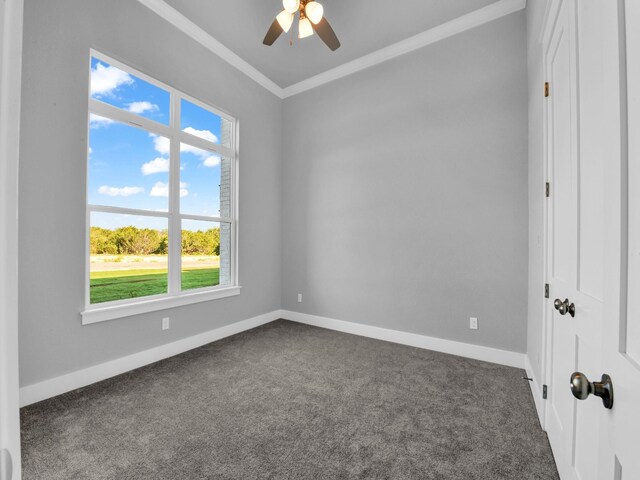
(205,182)
(204,124)
(128,257)
(202,262)
(128,92)
(128,166)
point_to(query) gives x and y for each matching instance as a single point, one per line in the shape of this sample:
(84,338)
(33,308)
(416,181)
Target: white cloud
(105,79)
(160,144)
(211,161)
(161,189)
(119,191)
(206,134)
(96,121)
(142,107)
(196,151)
(157,165)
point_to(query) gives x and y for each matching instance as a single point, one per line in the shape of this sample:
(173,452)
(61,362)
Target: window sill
(101,314)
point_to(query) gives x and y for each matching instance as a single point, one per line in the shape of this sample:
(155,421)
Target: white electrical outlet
(165,323)
(299,298)
(473,323)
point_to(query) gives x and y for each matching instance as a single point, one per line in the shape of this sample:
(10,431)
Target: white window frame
(175,296)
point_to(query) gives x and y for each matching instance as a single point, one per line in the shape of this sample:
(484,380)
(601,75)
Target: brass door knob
(581,388)
(564,307)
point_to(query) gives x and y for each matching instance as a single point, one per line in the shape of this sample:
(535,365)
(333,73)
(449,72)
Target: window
(161,207)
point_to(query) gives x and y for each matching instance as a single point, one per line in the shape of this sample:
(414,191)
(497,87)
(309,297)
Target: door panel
(620,450)
(591,188)
(631,340)
(563,210)
(562,244)
(575,234)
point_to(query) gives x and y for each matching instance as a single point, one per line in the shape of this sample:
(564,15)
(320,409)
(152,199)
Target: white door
(592,61)
(575,231)
(620,428)
(10,65)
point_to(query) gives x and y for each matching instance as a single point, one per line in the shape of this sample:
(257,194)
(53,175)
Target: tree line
(148,241)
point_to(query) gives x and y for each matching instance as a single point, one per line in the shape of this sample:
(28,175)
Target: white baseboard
(487,354)
(536,390)
(81,378)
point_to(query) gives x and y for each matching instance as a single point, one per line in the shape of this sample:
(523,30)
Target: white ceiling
(363,26)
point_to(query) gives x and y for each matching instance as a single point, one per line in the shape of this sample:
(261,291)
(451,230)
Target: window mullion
(105,110)
(127,211)
(233,212)
(175,234)
(205,144)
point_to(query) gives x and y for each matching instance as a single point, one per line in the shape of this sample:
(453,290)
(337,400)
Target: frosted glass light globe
(304,28)
(314,11)
(291,6)
(285,19)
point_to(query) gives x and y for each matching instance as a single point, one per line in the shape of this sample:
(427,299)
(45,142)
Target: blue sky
(128,167)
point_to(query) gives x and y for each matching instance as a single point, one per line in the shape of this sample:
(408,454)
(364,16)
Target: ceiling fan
(311,19)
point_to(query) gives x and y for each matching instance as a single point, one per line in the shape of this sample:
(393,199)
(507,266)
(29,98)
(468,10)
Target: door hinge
(544,392)
(546,89)
(547,189)
(546,290)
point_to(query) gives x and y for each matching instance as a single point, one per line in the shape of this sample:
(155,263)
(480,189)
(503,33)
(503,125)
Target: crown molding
(178,20)
(461,24)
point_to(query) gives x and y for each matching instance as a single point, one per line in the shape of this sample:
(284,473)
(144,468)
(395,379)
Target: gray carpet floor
(290,401)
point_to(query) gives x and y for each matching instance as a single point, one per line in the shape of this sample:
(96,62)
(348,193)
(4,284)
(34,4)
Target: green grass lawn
(121,284)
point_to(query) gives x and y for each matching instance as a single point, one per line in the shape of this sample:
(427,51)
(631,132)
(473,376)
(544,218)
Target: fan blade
(274,32)
(326,33)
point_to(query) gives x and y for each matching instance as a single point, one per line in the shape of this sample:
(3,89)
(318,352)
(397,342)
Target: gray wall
(57,38)
(535,13)
(405,191)
(395,197)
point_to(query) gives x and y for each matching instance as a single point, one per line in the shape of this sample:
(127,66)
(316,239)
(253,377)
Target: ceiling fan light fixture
(304,28)
(310,20)
(291,6)
(314,11)
(285,19)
